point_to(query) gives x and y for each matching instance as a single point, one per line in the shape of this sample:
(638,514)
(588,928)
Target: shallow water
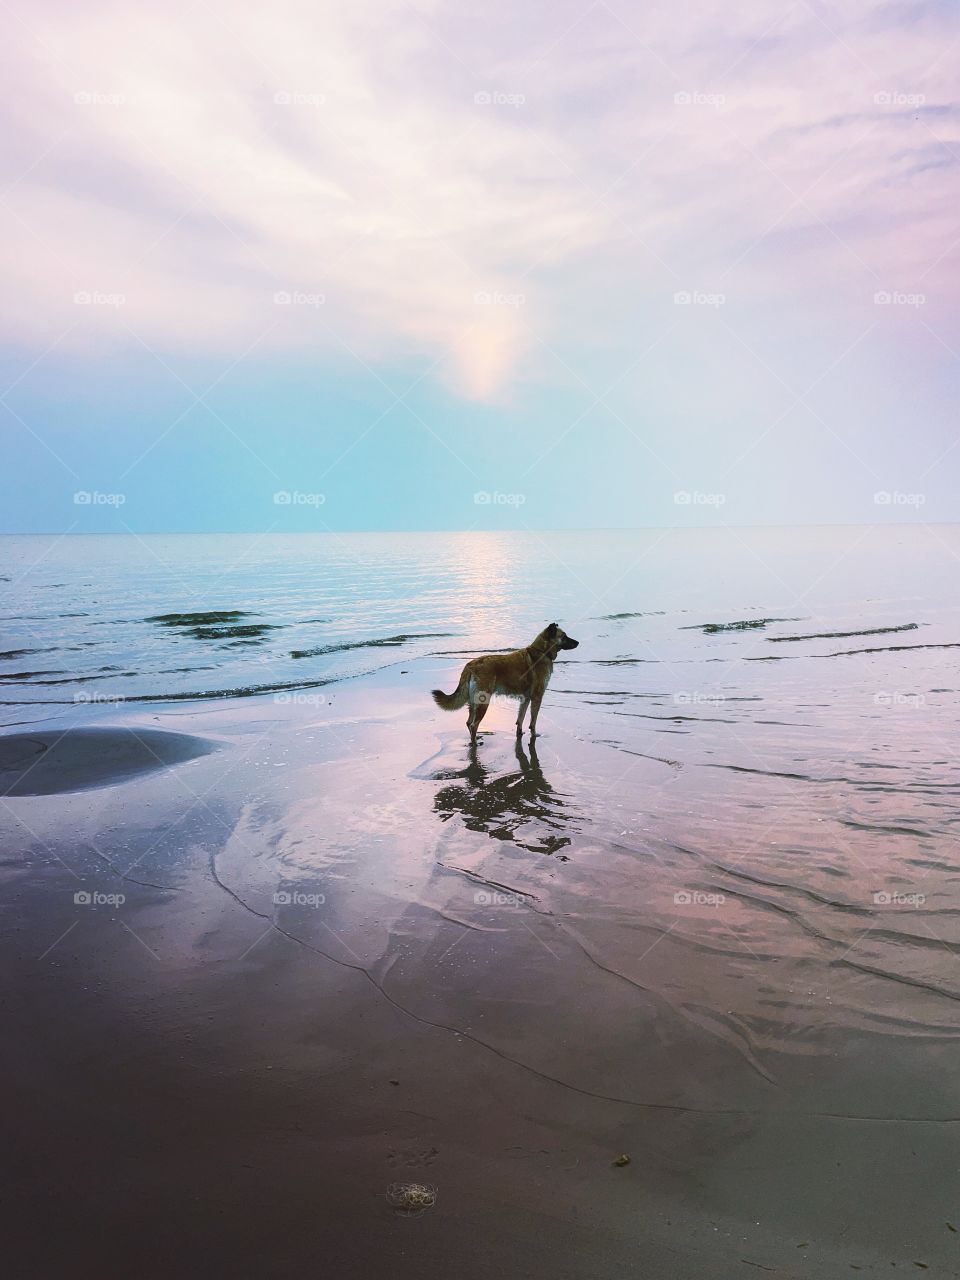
(95,619)
(744,803)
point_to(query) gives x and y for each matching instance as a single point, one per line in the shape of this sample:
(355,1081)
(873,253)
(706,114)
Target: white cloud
(383,185)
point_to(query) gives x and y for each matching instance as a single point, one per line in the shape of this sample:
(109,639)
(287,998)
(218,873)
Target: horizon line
(649,528)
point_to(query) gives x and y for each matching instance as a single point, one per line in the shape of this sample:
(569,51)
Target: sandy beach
(259,972)
(590,365)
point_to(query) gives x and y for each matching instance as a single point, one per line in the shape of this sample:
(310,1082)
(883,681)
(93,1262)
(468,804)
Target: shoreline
(215,1069)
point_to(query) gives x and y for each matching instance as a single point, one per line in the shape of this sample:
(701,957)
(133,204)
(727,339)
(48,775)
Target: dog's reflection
(514,806)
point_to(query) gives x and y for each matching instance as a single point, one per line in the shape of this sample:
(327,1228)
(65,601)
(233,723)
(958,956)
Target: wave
(643,755)
(16,676)
(383,642)
(646,715)
(771,773)
(468,653)
(243,691)
(844,635)
(618,662)
(606,693)
(198,695)
(888,648)
(617,617)
(746,624)
(847,653)
(887,829)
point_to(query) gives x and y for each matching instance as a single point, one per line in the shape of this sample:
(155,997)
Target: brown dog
(522,674)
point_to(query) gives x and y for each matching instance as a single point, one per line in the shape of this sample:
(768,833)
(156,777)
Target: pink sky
(151,153)
(502,199)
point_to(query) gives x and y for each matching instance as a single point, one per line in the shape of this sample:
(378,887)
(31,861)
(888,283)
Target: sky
(425,265)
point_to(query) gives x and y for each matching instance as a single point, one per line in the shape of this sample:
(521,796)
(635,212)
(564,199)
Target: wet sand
(50,763)
(248,990)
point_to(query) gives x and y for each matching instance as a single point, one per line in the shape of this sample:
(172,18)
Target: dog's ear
(552,629)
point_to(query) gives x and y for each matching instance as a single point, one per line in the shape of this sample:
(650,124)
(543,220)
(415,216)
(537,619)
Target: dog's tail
(453,701)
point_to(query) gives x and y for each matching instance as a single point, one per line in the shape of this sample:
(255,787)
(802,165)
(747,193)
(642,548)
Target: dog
(523,674)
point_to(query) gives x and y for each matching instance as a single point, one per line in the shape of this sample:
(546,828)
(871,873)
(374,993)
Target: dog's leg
(524,703)
(534,712)
(478,712)
(479,702)
(472,713)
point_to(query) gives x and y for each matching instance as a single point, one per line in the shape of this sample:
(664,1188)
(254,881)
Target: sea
(744,799)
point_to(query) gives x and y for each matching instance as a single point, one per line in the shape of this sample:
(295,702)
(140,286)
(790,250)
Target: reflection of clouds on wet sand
(518,805)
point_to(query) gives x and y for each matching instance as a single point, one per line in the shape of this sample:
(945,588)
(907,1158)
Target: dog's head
(558,639)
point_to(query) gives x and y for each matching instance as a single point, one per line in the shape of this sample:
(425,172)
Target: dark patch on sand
(197,619)
(245,631)
(52,762)
(223,624)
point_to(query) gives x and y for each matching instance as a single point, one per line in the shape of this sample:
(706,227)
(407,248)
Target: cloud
(389,165)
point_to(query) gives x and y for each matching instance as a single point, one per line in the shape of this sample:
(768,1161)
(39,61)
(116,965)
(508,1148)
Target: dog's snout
(571,644)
